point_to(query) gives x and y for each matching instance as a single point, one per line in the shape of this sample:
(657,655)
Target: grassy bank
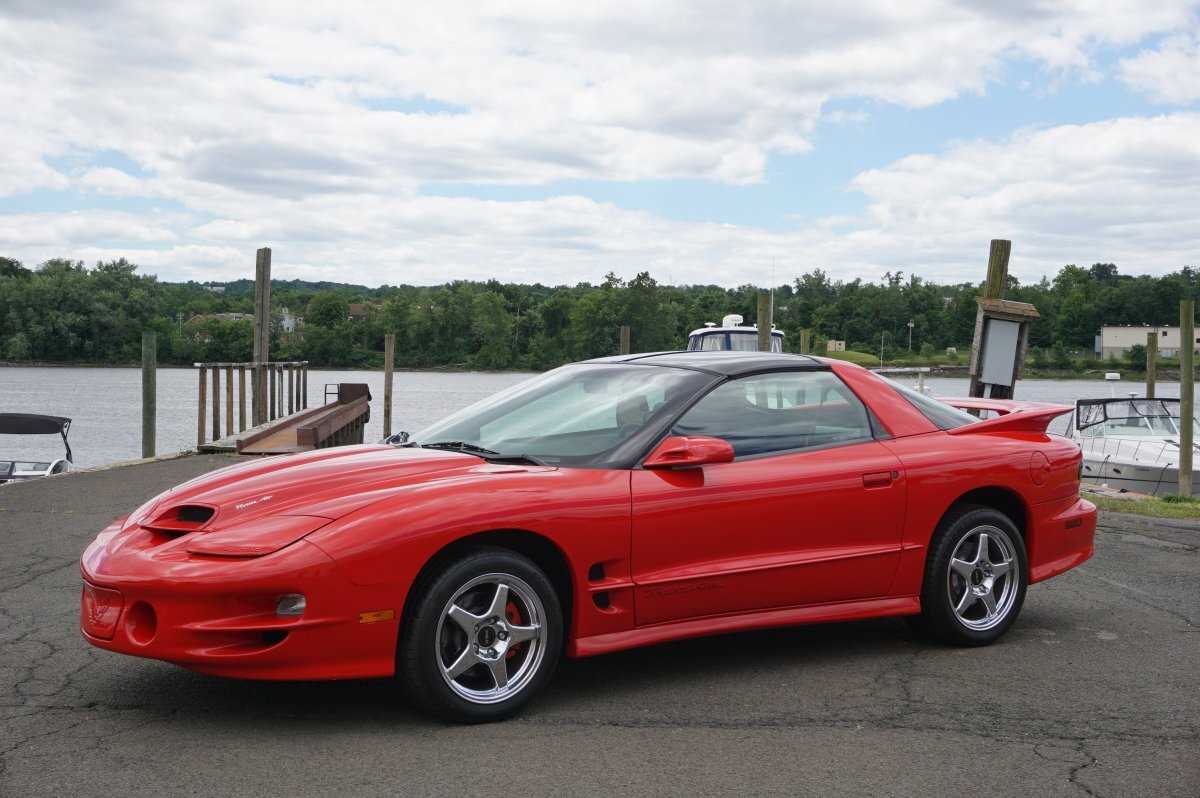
(1147,506)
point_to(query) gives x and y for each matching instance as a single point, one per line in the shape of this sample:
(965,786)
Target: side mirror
(678,451)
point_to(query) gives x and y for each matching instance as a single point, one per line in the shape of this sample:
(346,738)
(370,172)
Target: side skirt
(761,619)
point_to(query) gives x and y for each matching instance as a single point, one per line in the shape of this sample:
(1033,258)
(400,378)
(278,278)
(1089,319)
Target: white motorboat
(1130,443)
(732,334)
(32,424)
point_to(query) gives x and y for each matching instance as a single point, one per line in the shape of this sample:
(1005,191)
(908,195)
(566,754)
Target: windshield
(574,415)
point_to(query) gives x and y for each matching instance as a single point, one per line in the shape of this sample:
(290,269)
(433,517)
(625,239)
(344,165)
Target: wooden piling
(997,273)
(270,393)
(1151,362)
(200,404)
(229,400)
(805,341)
(262,329)
(149,391)
(216,402)
(241,398)
(304,390)
(1187,393)
(764,321)
(389,358)
(625,347)
(291,372)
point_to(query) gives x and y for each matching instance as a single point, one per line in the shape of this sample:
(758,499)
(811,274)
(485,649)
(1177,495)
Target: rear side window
(778,412)
(940,414)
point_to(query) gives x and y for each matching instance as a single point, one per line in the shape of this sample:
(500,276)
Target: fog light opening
(291,605)
(141,623)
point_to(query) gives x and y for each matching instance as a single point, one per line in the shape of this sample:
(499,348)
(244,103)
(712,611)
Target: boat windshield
(574,415)
(1128,417)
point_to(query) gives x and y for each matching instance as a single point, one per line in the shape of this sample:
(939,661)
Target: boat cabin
(32,424)
(733,335)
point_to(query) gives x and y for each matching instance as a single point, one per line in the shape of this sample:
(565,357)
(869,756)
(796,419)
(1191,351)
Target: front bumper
(217,614)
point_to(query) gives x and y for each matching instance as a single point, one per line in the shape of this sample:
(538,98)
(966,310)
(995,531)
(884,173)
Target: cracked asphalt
(1095,691)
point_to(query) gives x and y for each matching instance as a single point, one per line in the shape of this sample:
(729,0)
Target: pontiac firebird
(608,504)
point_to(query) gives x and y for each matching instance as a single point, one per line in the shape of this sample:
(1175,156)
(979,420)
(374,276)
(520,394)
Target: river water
(105,403)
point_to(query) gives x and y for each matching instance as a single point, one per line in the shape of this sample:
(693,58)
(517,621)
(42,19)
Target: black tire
(941,590)
(421,653)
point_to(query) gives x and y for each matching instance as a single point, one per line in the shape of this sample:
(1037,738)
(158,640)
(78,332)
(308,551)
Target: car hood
(259,507)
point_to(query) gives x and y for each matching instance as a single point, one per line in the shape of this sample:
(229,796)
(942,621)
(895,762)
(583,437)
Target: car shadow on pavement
(611,679)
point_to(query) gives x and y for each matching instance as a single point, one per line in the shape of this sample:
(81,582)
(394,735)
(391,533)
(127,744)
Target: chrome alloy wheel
(983,578)
(491,638)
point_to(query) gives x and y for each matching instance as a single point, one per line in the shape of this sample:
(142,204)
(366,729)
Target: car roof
(723,362)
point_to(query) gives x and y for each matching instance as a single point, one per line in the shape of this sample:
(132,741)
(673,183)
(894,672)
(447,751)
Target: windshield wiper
(487,454)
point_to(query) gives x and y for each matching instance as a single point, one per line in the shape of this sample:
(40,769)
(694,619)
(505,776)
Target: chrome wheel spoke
(465,661)
(1000,569)
(465,620)
(499,669)
(989,601)
(981,554)
(499,602)
(519,634)
(962,568)
(964,603)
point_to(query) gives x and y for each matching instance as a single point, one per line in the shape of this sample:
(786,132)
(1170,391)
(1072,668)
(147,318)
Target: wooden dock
(335,423)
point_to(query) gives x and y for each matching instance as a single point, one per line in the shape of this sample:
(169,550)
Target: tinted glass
(941,414)
(776,412)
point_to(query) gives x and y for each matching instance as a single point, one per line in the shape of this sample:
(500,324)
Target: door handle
(879,479)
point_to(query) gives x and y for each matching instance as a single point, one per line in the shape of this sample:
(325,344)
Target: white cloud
(257,120)
(1169,73)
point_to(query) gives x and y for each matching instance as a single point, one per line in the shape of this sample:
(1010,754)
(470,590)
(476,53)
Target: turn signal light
(291,604)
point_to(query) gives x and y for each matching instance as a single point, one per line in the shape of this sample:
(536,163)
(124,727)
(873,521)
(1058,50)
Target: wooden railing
(274,382)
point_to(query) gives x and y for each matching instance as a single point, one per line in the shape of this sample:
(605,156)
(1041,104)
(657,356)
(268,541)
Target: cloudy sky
(554,142)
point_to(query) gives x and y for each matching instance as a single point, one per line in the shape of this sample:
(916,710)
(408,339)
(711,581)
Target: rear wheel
(483,639)
(975,578)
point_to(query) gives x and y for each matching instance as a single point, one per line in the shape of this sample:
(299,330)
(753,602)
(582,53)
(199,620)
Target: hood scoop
(181,519)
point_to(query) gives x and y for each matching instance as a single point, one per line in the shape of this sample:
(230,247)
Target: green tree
(327,309)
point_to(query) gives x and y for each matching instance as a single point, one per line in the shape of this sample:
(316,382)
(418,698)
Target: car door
(810,511)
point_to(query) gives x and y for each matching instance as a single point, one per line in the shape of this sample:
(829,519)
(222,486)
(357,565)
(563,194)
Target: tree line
(64,311)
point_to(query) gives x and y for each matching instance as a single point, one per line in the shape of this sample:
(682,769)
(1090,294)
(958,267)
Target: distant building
(1117,340)
(835,346)
(288,321)
(358,310)
(216,289)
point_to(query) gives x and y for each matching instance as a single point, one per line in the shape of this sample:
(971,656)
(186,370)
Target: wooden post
(304,390)
(805,341)
(1187,393)
(997,274)
(291,372)
(1151,362)
(216,402)
(997,277)
(625,348)
(764,321)
(389,358)
(262,329)
(241,398)
(270,393)
(149,391)
(200,403)
(229,400)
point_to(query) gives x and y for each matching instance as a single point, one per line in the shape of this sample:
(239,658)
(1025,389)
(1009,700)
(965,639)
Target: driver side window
(779,412)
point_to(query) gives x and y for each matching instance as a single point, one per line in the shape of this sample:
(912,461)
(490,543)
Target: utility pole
(1187,393)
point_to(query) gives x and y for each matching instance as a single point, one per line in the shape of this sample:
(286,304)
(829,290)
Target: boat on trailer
(33,424)
(1130,443)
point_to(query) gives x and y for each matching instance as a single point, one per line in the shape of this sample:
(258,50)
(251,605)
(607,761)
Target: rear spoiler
(1011,415)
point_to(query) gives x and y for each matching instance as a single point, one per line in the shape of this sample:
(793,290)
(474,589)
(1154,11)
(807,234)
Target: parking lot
(1096,691)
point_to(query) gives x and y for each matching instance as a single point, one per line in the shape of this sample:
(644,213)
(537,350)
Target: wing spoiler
(1011,415)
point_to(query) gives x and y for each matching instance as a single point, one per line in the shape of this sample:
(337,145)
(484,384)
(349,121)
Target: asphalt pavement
(1095,691)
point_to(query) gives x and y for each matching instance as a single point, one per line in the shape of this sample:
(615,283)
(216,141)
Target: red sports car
(603,505)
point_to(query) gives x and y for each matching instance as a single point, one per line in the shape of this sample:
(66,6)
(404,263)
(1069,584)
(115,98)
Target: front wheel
(975,578)
(483,639)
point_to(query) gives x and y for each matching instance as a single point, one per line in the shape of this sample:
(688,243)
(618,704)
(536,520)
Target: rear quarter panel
(1041,470)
